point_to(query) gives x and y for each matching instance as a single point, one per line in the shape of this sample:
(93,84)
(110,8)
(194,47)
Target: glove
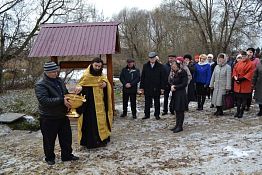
(239,80)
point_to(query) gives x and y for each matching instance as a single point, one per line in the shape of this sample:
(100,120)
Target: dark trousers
(50,128)
(249,100)
(260,110)
(132,97)
(209,92)
(148,102)
(201,101)
(166,97)
(241,102)
(201,91)
(180,115)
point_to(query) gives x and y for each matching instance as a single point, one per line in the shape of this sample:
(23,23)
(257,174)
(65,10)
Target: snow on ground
(208,145)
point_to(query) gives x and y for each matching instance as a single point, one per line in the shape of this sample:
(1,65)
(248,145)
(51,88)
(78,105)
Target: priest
(95,123)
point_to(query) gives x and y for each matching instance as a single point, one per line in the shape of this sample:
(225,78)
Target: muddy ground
(208,145)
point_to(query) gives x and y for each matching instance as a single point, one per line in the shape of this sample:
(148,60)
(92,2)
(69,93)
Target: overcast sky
(110,7)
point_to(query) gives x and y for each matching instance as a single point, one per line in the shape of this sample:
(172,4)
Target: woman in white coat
(220,82)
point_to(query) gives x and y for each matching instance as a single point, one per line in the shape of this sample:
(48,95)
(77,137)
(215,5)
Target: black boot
(199,102)
(238,112)
(241,112)
(203,99)
(260,111)
(123,114)
(157,117)
(175,125)
(180,123)
(220,110)
(217,111)
(145,117)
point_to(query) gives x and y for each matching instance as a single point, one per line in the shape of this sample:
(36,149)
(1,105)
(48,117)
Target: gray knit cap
(50,66)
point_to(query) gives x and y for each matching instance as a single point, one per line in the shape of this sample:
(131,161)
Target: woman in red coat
(242,75)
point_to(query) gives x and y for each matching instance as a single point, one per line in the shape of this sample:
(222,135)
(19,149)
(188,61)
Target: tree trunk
(1,78)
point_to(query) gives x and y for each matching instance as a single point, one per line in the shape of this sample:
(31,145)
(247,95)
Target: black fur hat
(252,49)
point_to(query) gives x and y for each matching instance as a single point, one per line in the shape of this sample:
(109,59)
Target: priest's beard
(95,72)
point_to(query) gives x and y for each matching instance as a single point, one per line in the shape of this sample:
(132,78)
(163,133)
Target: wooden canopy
(78,39)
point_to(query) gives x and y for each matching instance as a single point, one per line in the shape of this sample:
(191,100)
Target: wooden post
(54,59)
(109,64)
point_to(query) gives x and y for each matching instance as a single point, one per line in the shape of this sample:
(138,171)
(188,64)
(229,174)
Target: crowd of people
(185,78)
(195,79)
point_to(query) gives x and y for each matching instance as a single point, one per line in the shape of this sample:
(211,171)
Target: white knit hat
(210,56)
(239,55)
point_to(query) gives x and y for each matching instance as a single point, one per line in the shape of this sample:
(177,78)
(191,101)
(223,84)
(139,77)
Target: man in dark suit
(129,77)
(152,84)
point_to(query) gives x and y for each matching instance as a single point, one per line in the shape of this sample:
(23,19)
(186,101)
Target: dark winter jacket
(131,76)
(167,68)
(257,82)
(180,81)
(152,79)
(213,67)
(50,95)
(179,96)
(191,90)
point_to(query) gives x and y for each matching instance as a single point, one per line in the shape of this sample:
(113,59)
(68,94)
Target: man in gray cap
(129,77)
(152,84)
(53,106)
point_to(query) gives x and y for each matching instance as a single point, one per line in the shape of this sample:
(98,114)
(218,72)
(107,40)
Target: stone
(10,117)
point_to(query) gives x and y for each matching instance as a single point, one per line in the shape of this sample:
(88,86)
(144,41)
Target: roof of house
(76,39)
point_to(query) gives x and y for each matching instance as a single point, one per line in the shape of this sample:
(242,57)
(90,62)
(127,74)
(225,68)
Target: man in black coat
(167,67)
(129,77)
(50,91)
(152,84)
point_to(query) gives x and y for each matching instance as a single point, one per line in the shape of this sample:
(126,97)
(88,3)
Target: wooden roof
(76,39)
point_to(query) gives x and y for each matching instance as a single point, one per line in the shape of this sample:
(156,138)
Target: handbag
(228,100)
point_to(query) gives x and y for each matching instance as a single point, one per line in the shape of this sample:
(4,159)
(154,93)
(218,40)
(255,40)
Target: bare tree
(20,21)
(7,5)
(134,31)
(219,21)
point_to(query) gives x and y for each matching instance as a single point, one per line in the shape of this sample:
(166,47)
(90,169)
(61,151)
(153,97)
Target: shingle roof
(76,39)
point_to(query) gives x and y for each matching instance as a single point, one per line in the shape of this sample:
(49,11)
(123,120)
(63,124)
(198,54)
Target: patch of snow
(237,153)
(29,119)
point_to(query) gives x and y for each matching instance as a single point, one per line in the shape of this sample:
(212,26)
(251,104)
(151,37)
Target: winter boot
(180,123)
(175,125)
(241,112)
(217,111)
(123,115)
(199,102)
(220,111)
(260,111)
(238,112)
(203,99)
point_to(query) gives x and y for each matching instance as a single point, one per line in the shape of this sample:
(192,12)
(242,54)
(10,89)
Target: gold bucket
(76,101)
